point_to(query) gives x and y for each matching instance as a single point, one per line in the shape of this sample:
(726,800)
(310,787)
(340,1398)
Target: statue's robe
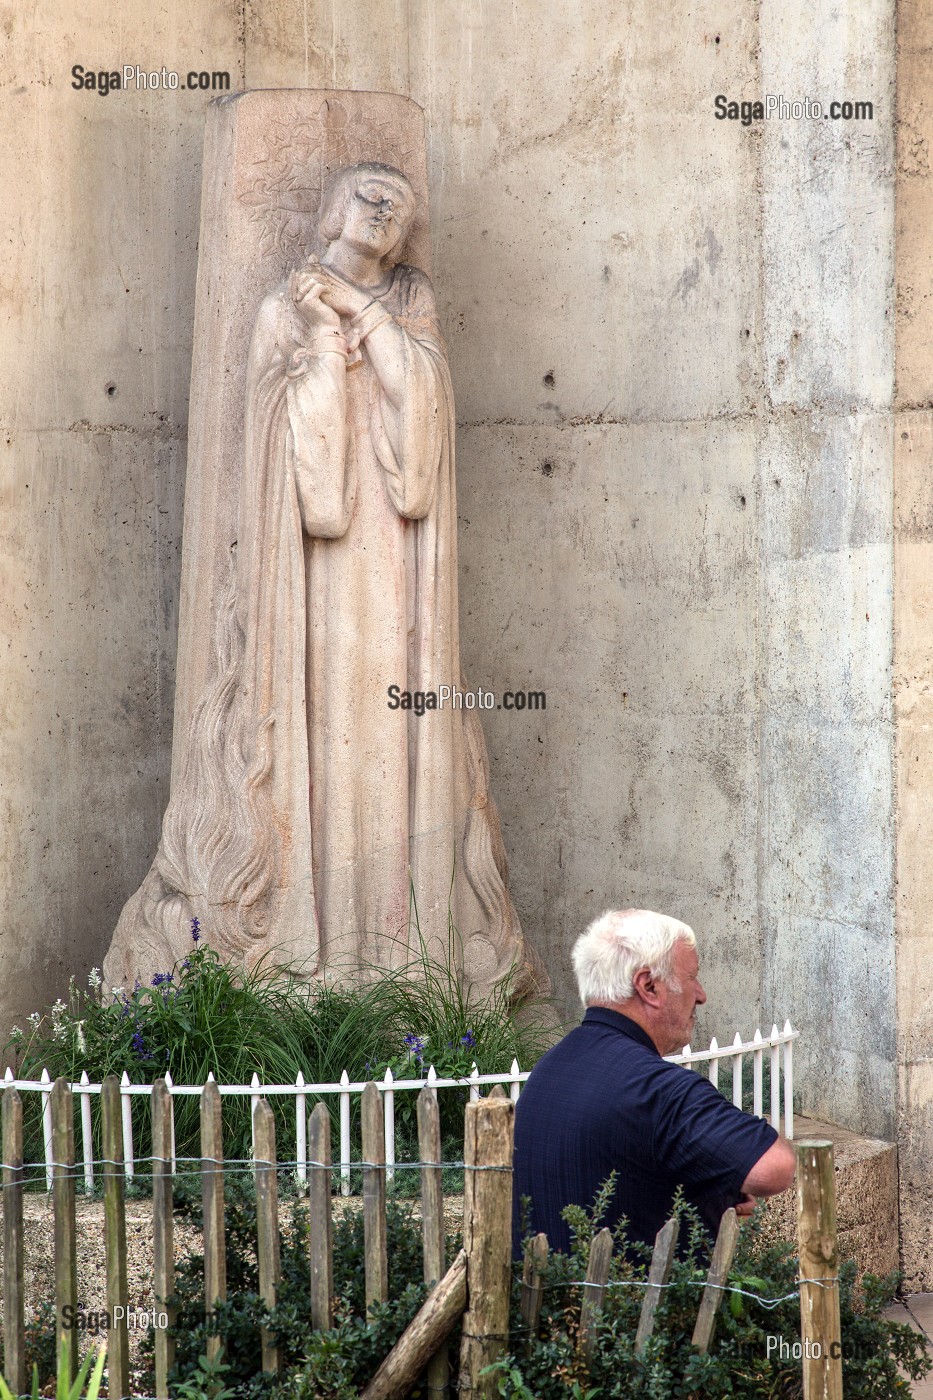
(311,819)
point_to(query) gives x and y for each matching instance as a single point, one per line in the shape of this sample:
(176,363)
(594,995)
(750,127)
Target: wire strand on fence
(769,1303)
(75,1170)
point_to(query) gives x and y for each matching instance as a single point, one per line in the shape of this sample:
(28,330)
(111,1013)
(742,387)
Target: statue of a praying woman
(312,822)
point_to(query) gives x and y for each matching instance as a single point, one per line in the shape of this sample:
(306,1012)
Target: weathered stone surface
(913,635)
(866,1197)
(324,812)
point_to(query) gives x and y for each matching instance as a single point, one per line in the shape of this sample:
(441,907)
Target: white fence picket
(788,1081)
(301,1130)
(388,1109)
(775,1078)
(45,1084)
(779,1045)
(126,1105)
(737,1059)
(345,1134)
(757,1056)
(87,1136)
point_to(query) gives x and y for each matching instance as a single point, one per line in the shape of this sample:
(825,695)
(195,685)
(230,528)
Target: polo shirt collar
(603,1016)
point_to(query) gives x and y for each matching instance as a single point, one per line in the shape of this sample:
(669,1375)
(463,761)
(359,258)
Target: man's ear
(645,987)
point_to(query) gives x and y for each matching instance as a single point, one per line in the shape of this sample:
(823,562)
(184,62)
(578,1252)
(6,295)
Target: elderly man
(605,1100)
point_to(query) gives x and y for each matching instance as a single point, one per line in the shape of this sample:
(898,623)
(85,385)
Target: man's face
(676,1015)
(376,216)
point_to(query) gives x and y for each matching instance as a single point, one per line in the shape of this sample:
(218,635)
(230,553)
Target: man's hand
(746,1206)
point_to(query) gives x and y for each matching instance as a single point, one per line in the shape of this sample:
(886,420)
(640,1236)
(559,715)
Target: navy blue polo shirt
(604,1099)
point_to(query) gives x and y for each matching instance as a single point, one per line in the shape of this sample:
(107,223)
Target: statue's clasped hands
(322,297)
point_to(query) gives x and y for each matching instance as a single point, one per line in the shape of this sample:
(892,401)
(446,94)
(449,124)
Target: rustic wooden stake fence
(474,1288)
(820,1331)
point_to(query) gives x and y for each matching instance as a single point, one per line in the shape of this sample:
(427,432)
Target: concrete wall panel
(672,343)
(828,204)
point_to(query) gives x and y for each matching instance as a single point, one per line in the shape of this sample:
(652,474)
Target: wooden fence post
(820,1330)
(267,1223)
(432,1220)
(594,1292)
(487,1240)
(533,1271)
(321,1220)
(118,1342)
(212,1196)
(14,1334)
(63,1201)
(662,1261)
(162,1231)
(374,1198)
(726,1241)
(431,1325)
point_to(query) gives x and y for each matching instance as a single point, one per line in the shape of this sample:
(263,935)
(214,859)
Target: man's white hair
(609,953)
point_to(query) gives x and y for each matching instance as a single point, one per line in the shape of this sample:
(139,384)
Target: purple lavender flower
(468,1041)
(195,931)
(138,1044)
(161,977)
(414,1044)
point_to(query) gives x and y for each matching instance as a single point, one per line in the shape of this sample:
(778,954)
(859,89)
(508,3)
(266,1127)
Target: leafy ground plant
(337,1364)
(40,1343)
(331,1365)
(64,1389)
(549,1365)
(205,1016)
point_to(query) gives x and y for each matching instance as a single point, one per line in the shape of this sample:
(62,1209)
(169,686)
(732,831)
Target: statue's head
(372,204)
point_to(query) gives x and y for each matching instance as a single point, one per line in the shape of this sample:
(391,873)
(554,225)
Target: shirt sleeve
(709,1144)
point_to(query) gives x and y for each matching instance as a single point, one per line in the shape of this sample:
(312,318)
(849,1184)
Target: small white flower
(94,978)
(34,1020)
(118,992)
(16,1035)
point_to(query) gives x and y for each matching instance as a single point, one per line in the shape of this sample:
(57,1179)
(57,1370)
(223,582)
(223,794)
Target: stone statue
(309,819)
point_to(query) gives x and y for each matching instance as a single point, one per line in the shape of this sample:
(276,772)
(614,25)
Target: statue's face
(377,217)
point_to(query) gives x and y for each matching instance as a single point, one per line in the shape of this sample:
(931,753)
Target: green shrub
(330,1365)
(548,1366)
(337,1364)
(205,1016)
(40,1343)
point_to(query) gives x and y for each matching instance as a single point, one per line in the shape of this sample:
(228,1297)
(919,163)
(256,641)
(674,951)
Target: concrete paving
(917,1312)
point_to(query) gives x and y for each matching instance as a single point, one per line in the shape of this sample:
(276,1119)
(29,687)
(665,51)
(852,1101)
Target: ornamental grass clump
(65,1389)
(205,1016)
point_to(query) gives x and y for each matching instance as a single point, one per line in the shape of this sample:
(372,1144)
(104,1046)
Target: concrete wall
(913,651)
(672,345)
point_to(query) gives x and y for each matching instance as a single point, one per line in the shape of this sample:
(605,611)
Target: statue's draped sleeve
(318,448)
(411,440)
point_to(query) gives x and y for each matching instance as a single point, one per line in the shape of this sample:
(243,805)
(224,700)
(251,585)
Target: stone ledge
(866,1197)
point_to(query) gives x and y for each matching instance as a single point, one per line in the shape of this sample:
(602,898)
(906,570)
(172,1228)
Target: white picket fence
(778,1046)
